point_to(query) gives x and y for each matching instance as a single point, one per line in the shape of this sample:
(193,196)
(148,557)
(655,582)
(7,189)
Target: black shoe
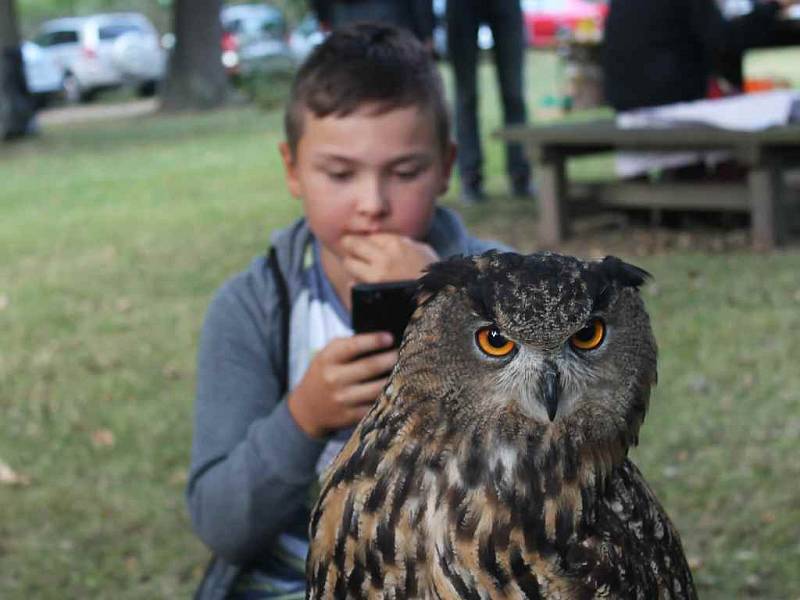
(523,190)
(472,195)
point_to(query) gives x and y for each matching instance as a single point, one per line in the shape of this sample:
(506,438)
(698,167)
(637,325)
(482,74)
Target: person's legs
(462,47)
(390,12)
(505,20)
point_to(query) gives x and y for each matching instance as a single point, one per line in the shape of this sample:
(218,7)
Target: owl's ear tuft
(456,271)
(459,273)
(624,274)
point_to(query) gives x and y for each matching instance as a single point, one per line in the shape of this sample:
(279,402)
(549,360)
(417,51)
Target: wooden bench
(766,155)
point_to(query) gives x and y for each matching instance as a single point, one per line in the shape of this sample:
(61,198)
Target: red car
(547,21)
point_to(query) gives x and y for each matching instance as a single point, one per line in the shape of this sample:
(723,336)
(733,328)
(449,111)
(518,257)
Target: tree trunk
(196,78)
(16,104)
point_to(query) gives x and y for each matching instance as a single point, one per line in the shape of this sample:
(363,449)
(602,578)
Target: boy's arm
(251,464)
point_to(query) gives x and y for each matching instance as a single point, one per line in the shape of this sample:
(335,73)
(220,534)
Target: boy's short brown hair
(366,63)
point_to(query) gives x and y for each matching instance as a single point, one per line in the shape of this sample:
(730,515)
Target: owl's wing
(363,543)
(332,518)
(634,550)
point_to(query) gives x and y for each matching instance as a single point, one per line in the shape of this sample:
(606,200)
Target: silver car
(305,37)
(41,73)
(254,39)
(104,51)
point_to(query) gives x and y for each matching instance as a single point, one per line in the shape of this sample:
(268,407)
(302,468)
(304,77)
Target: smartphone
(384,306)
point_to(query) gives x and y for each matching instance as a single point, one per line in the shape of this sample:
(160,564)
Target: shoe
(472,195)
(523,190)
(521,186)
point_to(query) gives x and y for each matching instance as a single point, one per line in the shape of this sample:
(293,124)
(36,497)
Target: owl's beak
(550,387)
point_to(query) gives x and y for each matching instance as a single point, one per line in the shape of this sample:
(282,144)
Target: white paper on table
(747,112)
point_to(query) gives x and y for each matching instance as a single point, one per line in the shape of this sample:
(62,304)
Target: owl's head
(511,343)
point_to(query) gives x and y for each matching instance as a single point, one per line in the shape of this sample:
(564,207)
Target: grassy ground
(113,238)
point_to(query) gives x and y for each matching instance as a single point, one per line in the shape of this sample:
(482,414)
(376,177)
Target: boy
(281,378)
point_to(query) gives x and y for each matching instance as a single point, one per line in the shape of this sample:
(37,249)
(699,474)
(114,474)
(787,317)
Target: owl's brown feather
(447,490)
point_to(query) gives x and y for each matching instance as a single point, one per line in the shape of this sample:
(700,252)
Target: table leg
(552,189)
(767,225)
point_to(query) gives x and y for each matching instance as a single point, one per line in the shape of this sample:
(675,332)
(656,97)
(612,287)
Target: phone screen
(383,307)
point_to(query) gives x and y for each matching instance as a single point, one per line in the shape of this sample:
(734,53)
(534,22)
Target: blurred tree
(196,78)
(16,104)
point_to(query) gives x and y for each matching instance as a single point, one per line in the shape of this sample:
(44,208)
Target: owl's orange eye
(493,343)
(590,337)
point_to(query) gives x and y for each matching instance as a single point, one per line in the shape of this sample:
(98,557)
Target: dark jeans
(414,15)
(504,18)
(394,13)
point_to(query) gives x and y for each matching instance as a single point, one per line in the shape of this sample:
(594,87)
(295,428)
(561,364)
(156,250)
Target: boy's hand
(385,257)
(341,384)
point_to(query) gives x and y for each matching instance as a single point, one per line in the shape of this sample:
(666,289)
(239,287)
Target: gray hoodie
(252,467)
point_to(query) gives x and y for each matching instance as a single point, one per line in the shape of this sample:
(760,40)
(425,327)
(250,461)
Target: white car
(104,51)
(41,73)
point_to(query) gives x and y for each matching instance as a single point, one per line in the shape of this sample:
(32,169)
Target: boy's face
(368,172)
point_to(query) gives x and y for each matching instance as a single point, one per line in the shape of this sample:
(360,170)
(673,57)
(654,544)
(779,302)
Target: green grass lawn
(114,237)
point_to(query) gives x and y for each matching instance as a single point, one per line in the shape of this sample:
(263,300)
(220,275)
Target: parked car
(548,21)
(305,37)
(104,51)
(254,39)
(41,73)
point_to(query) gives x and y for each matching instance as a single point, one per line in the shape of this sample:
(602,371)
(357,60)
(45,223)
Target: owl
(494,464)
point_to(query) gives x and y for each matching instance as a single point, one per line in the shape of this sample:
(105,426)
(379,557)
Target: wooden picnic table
(766,154)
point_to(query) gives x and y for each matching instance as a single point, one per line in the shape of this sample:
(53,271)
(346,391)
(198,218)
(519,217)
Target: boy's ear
(449,160)
(290,169)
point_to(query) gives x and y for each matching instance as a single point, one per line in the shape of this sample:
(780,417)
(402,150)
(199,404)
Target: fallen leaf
(3,301)
(699,384)
(9,476)
(684,241)
(682,456)
(102,438)
(748,379)
(123,305)
(179,477)
(131,564)
(752,581)
(171,372)
(768,517)
(670,471)
(695,562)
(744,555)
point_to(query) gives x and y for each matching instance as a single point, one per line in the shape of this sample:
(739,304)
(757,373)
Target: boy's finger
(365,369)
(384,239)
(345,350)
(358,268)
(362,393)
(360,246)
(368,367)
(356,413)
